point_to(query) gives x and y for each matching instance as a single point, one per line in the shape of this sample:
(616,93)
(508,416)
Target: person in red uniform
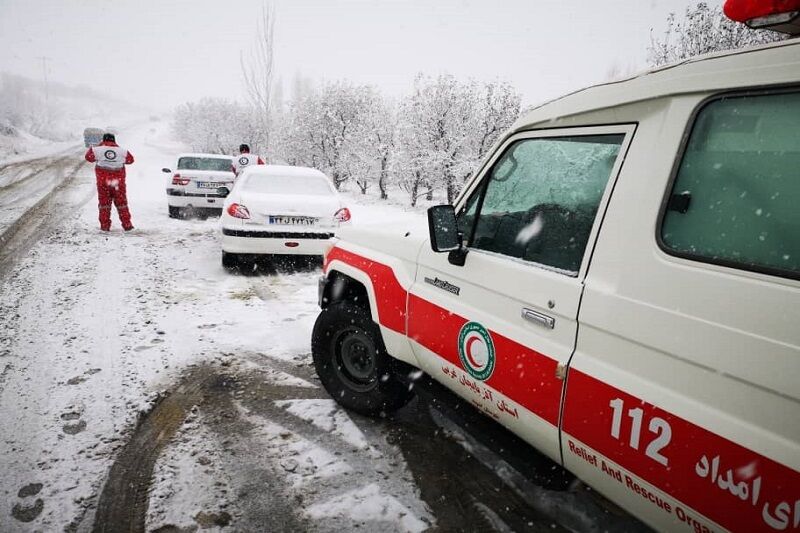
(110,160)
(245,159)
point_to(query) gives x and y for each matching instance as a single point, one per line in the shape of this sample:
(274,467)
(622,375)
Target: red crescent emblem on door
(468,351)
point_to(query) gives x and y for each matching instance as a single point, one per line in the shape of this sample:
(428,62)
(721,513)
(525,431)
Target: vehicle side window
(466,216)
(736,196)
(541,199)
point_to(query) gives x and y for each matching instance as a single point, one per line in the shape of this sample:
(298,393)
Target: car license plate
(285,220)
(209,185)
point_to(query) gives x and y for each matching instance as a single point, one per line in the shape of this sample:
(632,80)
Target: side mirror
(444,233)
(165,170)
(223,191)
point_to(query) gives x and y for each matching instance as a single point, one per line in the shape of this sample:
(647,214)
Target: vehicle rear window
(736,196)
(306,185)
(204,163)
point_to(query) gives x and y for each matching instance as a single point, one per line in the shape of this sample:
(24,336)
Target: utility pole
(45,59)
(46,113)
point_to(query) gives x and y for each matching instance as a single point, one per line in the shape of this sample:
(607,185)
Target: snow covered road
(144,388)
(95,325)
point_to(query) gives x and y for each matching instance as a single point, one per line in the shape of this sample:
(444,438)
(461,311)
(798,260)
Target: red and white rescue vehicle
(618,284)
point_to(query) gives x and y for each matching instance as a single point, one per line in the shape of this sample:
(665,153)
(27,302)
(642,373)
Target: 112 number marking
(658,426)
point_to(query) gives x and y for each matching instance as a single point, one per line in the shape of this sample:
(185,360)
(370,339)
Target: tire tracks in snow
(22,161)
(46,214)
(259,424)
(122,506)
(278,460)
(253,420)
(26,171)
(123,502)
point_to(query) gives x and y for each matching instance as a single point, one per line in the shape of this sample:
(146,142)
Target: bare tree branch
(703,29)
(258,74)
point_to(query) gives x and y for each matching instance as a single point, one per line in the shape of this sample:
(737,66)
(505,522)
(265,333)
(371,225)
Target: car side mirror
(444,233)
(223,191)
(165,170)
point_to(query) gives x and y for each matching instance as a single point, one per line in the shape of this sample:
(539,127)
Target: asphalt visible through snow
(144,388)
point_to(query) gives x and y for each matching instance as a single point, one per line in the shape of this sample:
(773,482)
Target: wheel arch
(360,283)
(346,283)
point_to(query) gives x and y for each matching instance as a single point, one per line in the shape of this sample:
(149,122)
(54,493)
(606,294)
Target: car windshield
(306,185)
(204,163)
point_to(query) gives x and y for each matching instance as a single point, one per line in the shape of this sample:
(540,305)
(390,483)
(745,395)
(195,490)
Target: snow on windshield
(204,163)
(308,185)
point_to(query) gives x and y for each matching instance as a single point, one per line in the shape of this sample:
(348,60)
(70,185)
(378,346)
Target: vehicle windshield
(306,185)
(204,163)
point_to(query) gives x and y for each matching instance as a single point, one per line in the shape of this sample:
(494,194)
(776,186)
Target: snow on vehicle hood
(398,239)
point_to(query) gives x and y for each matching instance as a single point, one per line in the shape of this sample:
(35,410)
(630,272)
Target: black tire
(230,261)
(352,363)
(174,211)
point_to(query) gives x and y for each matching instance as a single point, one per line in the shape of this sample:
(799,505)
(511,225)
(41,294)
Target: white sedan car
(282,210)
(193,187)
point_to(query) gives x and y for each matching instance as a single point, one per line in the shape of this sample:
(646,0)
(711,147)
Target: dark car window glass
(542,197)
(466,216)
(736,197)
(204,163)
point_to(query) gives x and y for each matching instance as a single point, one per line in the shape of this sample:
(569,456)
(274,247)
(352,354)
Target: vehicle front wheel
(174,211)
(230,261)
(352,363)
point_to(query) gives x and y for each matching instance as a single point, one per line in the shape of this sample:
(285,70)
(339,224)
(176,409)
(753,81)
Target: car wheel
(174,212)
(352,363)
(230,261)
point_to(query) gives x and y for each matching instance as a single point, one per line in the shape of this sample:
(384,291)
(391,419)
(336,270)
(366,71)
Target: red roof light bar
(777,15)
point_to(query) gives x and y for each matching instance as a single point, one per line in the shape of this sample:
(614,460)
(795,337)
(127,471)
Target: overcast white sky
(163,52)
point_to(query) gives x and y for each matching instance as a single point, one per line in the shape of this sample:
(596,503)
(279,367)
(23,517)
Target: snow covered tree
(258,73)
(446,127)
(433,139)
(372,145)
(326,127)
(436,120)
(383,134)
(412,159)
(703,29)
(500,108)
(214,125)
(24,107)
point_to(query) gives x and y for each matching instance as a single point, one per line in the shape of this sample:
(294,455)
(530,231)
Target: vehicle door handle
(538,318)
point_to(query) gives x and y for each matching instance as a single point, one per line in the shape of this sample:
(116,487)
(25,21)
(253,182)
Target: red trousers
(111,187)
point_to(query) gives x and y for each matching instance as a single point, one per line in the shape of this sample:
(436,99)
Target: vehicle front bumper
(243,240)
